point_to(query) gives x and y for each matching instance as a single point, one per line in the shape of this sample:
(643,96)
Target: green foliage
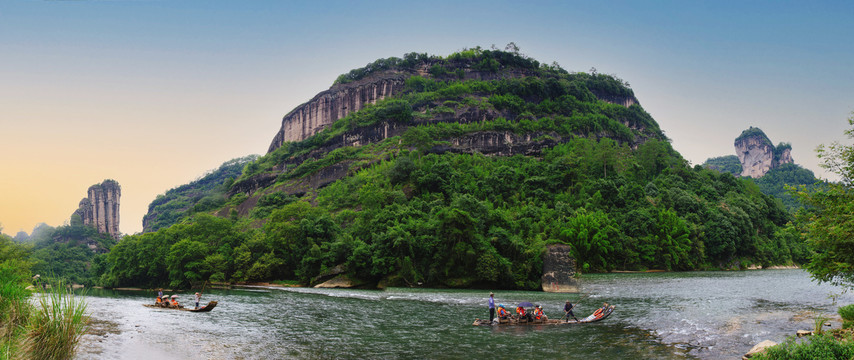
(729,163)
(827,221)
(846,312)
(204,194)
(777,181)
(754,132)
(56,324)
(818,347)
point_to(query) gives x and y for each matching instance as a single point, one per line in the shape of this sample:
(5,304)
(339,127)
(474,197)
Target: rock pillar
(101,208)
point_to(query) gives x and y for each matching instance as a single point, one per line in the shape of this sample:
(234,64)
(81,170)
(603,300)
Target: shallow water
(707,315)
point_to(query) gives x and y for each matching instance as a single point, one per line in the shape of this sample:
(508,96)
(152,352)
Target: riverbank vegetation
(51,328)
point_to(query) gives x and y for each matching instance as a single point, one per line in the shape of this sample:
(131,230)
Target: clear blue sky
(154,93)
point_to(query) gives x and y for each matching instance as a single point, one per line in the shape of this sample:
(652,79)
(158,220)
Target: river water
(705,315)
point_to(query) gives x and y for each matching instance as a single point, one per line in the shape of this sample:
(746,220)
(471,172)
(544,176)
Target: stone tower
(101,208)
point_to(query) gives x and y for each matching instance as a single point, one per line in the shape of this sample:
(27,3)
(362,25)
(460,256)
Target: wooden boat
(594,317)
(210,306)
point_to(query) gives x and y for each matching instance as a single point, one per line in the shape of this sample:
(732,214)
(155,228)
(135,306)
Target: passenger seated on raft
(601,310)
(502,312)
(174,302)
(539,315)
(158,301)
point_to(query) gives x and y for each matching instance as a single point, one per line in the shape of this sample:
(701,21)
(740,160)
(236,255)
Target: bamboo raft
(210,306)
(515,321)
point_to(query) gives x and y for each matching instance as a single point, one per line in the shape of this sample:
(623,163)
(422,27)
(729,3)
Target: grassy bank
(49,328)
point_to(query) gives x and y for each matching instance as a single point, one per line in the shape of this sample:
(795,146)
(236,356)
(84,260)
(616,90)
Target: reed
(14,309)
(820,320)
(56,324)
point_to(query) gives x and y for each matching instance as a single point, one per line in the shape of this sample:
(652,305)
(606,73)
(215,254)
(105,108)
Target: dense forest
(413,210)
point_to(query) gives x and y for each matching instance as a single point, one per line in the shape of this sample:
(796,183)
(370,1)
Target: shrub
(818,347)
(847,314)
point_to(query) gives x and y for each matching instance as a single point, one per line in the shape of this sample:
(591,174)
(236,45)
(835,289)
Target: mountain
(758,155)
(463,171)
(771,168)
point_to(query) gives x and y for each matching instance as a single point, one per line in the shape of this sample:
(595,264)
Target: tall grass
(14,309)
(56,325)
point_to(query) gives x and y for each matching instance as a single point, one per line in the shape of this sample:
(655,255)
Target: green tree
(828,225)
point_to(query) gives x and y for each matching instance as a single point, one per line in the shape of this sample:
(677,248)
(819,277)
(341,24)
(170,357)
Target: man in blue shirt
(491,306)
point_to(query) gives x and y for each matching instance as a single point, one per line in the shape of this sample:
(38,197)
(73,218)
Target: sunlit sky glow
(155,93)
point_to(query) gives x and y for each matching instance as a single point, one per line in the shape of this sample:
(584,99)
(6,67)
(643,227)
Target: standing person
(568,310)
(491,306)
(198,298)
(160,293)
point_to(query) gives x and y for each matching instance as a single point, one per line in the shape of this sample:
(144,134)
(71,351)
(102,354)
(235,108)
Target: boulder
(559,270)
(340,281)
(759,348)
(802,333)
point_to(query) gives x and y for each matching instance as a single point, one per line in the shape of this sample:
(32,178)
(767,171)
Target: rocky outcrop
(337,102)
(340,100)
(559,270)
(101,208)
(758,155)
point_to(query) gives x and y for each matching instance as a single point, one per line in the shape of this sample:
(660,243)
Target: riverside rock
(759,348)
(559,270)
(100,209)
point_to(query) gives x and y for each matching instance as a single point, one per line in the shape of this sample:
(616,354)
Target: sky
(153,94)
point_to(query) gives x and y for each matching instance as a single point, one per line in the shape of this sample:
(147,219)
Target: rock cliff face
(342,99)
(101,208)
(559,270)
(330,105)
(758,155)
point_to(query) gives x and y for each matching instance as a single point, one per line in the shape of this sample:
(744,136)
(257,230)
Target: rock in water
(559,270)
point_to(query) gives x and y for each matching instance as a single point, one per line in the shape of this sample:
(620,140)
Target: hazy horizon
(153,94)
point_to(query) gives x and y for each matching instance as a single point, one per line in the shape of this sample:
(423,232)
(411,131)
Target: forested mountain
(461,174)
(204,194)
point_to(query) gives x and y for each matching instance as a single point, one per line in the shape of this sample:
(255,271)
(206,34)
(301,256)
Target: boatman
(198,298)
(568,309)
(491,306)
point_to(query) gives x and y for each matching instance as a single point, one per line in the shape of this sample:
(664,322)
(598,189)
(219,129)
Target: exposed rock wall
(330,105)
(340,100)
(757,154)
(101,208)
(559,270)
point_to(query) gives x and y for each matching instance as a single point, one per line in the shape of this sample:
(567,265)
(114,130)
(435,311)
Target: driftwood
(210,306)
(515,321)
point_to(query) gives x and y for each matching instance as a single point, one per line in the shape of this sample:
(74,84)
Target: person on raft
(502,312)
(601,310)
(174,303)
(490,302)
(538,313)
(568,310)
(198,298)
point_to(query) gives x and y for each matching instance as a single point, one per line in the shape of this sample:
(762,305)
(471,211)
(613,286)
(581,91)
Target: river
(704,315)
